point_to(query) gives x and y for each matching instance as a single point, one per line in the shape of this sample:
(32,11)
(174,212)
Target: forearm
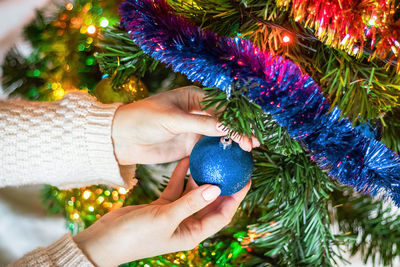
(65,143)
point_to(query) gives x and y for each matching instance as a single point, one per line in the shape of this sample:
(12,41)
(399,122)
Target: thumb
(193,202)
(199,124)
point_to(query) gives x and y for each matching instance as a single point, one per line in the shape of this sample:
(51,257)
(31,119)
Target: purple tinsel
(277,85)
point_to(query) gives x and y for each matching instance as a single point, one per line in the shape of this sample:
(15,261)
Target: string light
(86,194)
(286,39)
(122,190)
(371,22)
(91,29)
(104,22)
(69,6)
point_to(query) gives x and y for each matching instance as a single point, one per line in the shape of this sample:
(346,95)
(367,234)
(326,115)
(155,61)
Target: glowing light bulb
(371,22)
(91,29)
(86,194)
(122,191)
(69,6)
(286,39)
(91,208)
(58,93)
(104,22)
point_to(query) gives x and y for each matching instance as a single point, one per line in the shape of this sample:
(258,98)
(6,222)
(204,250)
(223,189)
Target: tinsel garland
(277,85)
(355,26)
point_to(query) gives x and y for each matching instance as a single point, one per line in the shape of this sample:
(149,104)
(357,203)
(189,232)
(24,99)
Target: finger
(244,142)
(192,202)
(200,124)
(238,196)
(190,98)
(255,141)
(175,185)
(190,185)
(216,219)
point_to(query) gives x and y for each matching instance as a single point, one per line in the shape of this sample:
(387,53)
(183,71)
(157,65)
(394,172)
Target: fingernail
(221,128)
(211,193)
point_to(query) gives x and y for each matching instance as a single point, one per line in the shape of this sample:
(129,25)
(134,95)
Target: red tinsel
(356,26)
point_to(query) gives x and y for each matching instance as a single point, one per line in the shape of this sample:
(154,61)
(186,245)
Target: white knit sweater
(66,143)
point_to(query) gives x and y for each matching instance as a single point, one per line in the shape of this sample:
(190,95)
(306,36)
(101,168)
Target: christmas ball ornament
(128,92)
(221,162)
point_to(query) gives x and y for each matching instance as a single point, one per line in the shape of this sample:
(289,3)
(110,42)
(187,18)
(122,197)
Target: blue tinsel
(277,85)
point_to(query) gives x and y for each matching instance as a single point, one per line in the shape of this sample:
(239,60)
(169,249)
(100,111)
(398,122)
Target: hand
(164,226)
(165,127)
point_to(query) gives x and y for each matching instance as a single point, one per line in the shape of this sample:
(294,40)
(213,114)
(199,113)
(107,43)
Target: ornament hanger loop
(226,141)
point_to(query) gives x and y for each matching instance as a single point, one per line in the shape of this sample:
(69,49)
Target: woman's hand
(164,226)
(165,127)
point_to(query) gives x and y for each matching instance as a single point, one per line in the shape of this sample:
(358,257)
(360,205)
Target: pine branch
(236,113)
(292,191)
(362,92)
(391,133)
(296,225)
(13,83)
(122,58)
(374,223)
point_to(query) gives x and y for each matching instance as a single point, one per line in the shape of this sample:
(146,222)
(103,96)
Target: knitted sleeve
(63,253)
(66,143)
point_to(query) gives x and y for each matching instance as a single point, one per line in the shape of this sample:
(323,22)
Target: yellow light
(91,29)
(122,191)
(55,85)
(58,93)
(76,216)
(100,199)
(69,6)
(104,22)
(86,194)
(90,208)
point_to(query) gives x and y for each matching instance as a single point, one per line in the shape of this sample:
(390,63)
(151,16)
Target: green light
(81,47)
(104,22)
(33,93)
(36,73)
(90,61)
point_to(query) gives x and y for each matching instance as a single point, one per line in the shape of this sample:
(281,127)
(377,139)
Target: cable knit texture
(64,252)
(66,143)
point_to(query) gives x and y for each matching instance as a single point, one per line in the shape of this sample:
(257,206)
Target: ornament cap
(225,141)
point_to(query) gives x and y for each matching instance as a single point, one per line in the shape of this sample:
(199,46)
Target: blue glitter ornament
(221,162)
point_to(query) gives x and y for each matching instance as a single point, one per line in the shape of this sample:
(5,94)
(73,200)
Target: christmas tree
(295,213)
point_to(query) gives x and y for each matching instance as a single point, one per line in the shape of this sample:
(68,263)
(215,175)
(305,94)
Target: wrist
(94,254)
(122,135)
(120,145)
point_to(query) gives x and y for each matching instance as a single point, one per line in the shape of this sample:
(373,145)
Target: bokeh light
(91,29)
